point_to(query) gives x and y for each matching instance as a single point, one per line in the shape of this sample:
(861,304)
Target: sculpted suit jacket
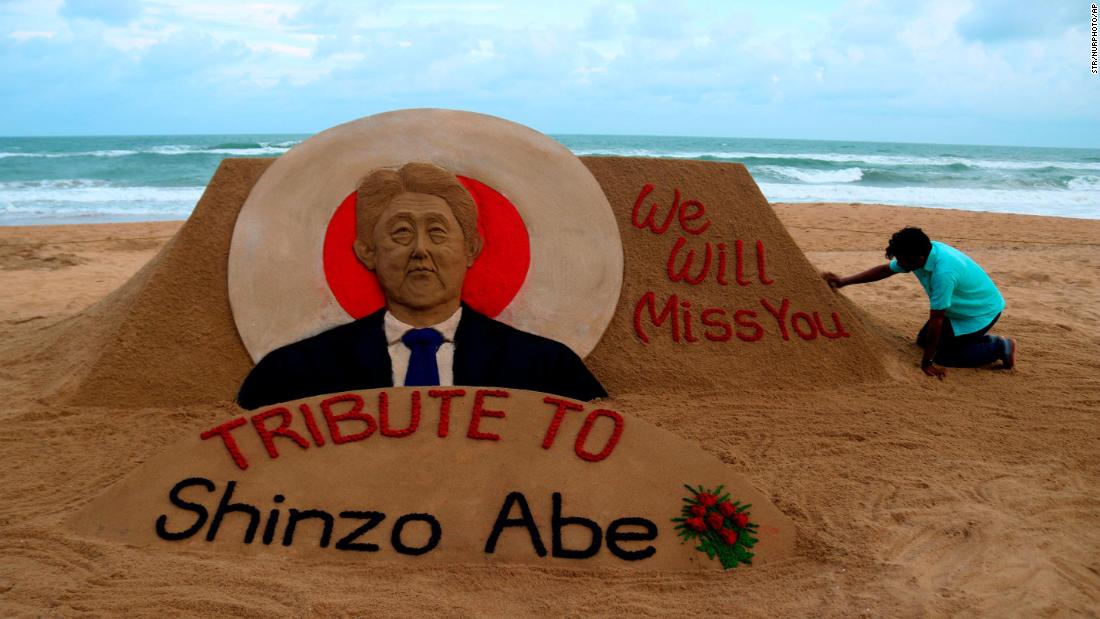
(488,353)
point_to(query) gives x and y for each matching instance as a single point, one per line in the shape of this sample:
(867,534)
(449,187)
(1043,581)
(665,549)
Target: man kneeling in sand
(416,229)
(964,301)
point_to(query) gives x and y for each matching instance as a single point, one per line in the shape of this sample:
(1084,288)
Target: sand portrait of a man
(416,230)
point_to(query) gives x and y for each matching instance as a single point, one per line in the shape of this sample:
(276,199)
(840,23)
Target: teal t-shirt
(957,284)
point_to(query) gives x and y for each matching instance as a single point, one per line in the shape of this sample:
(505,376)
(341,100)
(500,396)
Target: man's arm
(873,274)
(932,344)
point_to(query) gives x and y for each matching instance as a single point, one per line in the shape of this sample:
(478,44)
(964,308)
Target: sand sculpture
(571,250)
(708,292)
(418,474)
(417,234)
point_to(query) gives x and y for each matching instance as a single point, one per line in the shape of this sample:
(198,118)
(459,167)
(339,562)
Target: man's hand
(931,370)
(936,319)
(873,274)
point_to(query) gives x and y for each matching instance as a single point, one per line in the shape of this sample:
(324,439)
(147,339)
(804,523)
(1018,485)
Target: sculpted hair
(909,242)
(381,186)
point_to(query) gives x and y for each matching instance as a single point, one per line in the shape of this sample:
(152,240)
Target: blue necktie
(423,369)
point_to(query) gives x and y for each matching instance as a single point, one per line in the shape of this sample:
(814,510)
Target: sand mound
(729,335)
(167,337)
(459,482)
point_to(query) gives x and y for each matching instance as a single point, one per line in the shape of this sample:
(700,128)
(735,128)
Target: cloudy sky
(955,71)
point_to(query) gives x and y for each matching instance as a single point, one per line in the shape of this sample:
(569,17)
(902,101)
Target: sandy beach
(975,495)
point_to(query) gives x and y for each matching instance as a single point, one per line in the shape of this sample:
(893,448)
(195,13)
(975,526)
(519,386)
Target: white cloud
(250,16)
(694,67)
(485,50)
(282,48)
(26,35)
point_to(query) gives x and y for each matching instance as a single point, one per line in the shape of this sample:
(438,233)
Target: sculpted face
(420,257)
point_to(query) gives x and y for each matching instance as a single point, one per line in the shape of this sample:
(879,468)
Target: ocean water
(46,180)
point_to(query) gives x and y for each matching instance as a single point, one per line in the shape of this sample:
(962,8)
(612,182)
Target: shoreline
(123,220)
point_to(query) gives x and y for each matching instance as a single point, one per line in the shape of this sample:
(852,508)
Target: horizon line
(565,134)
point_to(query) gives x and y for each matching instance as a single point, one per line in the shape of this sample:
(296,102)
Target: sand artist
(964,302)
(417,231)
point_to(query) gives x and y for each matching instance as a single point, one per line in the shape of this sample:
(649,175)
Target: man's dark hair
(909,242)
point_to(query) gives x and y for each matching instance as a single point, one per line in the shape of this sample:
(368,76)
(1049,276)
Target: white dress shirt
(400,353)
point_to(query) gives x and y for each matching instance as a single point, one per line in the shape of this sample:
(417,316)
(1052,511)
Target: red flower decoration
(706,499)
(715,520)
(716,525)
(728,536)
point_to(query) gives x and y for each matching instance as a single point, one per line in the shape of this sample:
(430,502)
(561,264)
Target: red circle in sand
(491,284)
